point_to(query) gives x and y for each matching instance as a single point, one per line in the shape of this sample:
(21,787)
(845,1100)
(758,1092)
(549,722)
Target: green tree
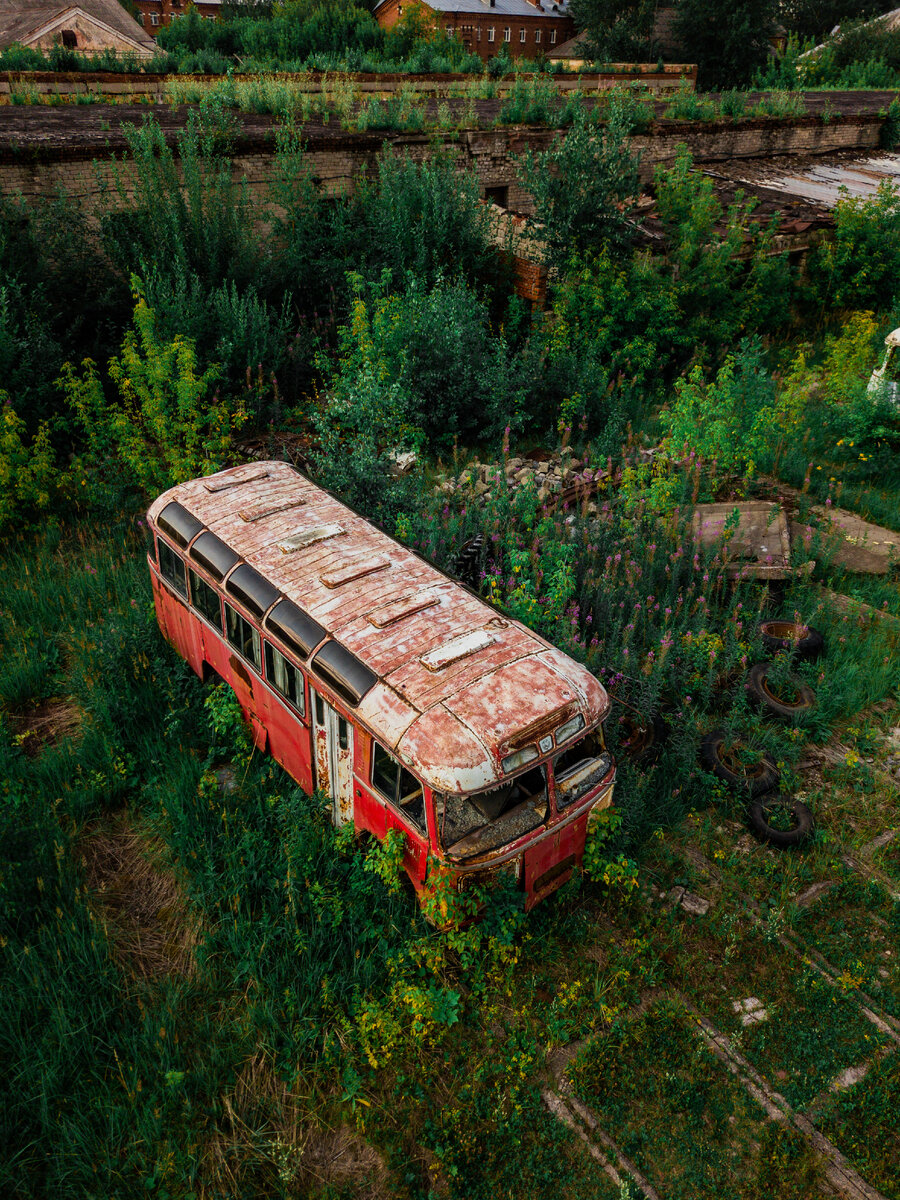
(728,42)
(616,30)
(585,185)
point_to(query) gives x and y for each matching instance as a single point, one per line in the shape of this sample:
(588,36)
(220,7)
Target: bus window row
(389,778)
(240,634)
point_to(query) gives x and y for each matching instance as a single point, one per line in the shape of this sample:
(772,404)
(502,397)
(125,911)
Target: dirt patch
(46,724)
(152,933)
(271,1139)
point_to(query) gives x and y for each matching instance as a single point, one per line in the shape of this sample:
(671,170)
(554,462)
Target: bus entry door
(333,756)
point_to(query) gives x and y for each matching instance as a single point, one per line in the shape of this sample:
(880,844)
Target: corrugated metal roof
(457,679)
(826,181)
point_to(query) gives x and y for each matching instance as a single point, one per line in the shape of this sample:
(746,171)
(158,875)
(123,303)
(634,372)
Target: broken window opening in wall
(69,39)
(470,825)
(497,195)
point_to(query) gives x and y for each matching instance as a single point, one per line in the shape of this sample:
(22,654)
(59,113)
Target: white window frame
(154,18)
(491,34)
(537,36)
(234,621)
(552,37)
(522,36)
(278,666)
(507,34)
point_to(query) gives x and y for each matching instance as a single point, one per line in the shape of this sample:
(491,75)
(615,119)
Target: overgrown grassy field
(207,992)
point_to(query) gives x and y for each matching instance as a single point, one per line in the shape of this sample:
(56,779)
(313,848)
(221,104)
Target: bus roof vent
(357,569)
(319,533)
(251,589)
(460,647)
(178,523)
(391,613)
(297,629)
(218,484)
(268,508)
(212,553)
(350,678)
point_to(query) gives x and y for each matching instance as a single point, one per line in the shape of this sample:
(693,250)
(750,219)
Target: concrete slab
(756,540)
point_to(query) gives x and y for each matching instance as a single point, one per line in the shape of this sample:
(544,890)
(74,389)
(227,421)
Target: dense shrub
(441,371)
(167,422)
(584,186)
(425,220)
(860,267)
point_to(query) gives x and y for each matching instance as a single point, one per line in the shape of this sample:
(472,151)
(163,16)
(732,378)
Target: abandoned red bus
(372,676)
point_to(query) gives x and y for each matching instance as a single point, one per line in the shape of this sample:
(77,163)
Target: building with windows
(87,26)
(156,14)
(527,28)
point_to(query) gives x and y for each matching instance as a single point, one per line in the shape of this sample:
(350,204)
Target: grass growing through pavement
(685,1122)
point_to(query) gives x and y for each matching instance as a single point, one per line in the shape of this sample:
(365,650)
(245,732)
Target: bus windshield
(470,825)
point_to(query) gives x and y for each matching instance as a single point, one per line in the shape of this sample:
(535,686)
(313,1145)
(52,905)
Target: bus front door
(333,757)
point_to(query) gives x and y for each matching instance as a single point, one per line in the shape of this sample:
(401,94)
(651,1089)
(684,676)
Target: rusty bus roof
(459,684)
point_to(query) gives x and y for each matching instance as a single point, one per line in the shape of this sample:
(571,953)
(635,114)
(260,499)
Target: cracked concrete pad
(757,544)
(855,544)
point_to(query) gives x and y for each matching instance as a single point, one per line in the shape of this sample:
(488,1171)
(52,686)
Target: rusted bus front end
(540,841)
(517,766)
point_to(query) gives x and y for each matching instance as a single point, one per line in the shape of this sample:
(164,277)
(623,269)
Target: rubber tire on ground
(810,646)
(783,838)
(763,780)
(758,692)
(654,734)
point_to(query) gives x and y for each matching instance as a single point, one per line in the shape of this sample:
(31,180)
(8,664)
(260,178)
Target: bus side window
(242,636)
(399,786)
(285,678)
(171,567)
(206,600)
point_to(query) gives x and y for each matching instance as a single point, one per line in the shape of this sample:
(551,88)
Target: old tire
(791,637)
(716,756)
(641,737)
(793,822)
(764,694)
(466,564)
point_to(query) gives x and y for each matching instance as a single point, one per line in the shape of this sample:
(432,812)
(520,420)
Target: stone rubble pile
(554,477)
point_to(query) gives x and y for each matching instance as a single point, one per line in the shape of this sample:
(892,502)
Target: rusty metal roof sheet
(456,679)
(823,181)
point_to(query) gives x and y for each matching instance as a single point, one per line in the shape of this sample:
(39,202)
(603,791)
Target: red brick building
(154,14)
(526,27)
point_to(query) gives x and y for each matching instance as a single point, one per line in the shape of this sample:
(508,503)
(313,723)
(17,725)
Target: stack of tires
(780,820)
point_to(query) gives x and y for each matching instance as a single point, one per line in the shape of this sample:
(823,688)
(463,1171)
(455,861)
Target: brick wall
(42,169)
(152,86)
(485,33)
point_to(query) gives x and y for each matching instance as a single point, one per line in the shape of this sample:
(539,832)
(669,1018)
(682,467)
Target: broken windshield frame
(470,825)
(579,768)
